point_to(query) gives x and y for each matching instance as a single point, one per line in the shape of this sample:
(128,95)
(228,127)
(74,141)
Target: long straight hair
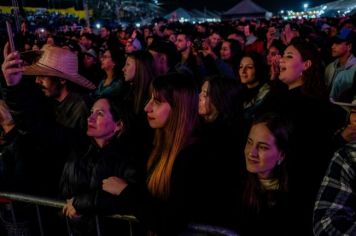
(182,95)
(142,79)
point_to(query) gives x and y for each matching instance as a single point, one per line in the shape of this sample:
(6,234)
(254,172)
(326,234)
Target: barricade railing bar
(199,229)
(49,202)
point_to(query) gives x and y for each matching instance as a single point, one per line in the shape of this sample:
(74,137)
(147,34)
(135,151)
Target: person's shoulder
(333,64)
(79,99)
(352,61)
(350,150)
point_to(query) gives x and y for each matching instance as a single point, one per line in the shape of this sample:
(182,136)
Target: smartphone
(10,36)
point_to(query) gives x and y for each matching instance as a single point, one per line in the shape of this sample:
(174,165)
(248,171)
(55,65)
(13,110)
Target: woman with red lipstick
(168,200)
(265,194)
(105,156)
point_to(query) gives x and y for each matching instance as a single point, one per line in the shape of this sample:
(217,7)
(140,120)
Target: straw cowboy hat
(58,62)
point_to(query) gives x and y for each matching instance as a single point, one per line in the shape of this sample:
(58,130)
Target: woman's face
(247,71)
(158,112)
(291,67)
(261,151)
(225,51)
(206,108)
(129,69)
(106,61)
(101,124)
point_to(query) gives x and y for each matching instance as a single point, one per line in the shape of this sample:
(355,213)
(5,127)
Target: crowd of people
(247,125)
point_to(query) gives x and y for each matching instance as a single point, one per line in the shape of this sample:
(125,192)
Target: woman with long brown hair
(138,73)
(165,204)
(265,203)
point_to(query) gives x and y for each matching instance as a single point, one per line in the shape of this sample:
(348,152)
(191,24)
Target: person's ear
(119,126)
(281,158)
(307,64)
(349,47)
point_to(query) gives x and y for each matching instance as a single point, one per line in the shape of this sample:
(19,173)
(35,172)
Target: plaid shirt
(335,207)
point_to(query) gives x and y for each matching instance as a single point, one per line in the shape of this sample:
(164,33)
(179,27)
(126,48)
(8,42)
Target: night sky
(220,5)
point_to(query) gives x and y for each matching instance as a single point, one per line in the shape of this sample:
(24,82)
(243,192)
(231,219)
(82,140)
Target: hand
(275,67)
(69,210)
(349,133)
(12,66)
(114,185)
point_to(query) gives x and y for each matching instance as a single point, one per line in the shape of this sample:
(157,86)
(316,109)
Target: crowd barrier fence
(192,230)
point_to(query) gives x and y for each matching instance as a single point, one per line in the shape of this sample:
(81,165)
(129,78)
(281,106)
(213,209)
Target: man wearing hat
(55,121)
(339,74)
(56,74)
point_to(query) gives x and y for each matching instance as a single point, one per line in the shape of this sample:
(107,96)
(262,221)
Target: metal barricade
(192,229)
(208,230)
(47,202)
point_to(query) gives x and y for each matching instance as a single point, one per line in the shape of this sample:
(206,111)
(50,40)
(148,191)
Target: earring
(279,162)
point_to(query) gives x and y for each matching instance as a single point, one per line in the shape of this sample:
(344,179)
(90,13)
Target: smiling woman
(265,206)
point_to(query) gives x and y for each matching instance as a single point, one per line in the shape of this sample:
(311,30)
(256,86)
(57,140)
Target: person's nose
(253,151)
(148,107)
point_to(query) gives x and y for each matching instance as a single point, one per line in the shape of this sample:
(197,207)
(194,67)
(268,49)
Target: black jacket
(82,180)
(84,172)
(170,216)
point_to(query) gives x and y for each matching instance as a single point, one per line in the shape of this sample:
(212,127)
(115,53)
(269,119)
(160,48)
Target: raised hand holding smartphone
(12,65)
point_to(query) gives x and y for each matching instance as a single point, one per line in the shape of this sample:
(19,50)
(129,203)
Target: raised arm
(12,67)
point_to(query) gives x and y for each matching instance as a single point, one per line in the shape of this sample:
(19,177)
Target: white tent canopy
(246,8)
(340,5)
(178,14)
